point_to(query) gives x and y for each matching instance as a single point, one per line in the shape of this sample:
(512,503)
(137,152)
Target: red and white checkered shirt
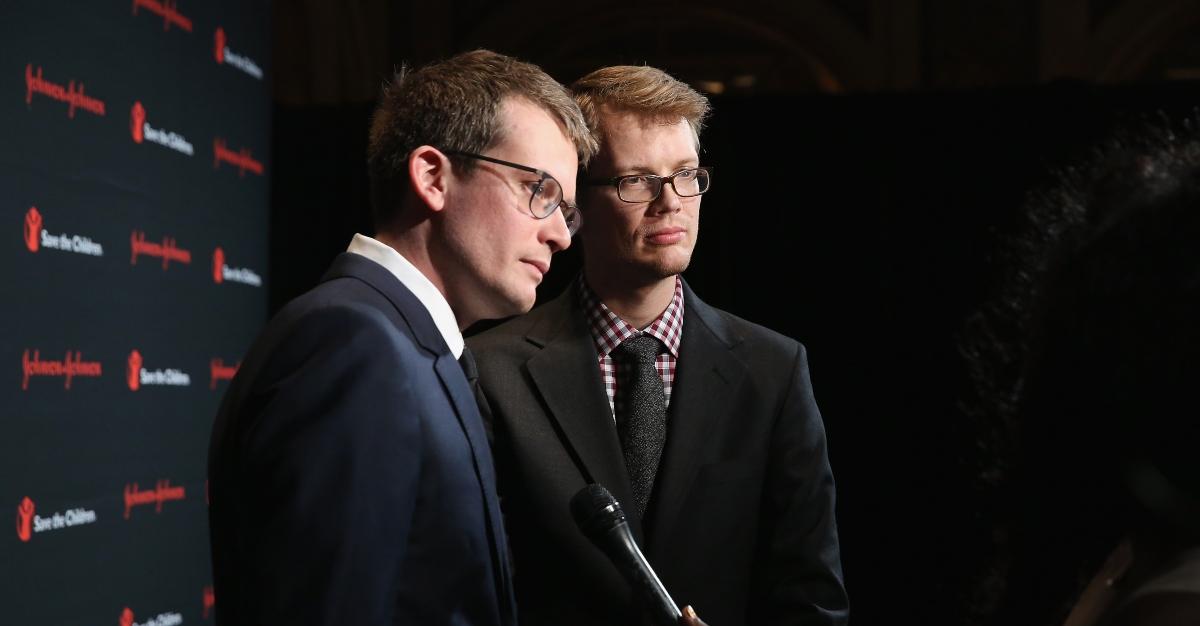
(609,331)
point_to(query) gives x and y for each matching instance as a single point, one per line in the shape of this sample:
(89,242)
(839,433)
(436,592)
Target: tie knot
(641,349)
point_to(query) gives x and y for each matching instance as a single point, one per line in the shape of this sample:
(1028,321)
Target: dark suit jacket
(349,472)
(741,523)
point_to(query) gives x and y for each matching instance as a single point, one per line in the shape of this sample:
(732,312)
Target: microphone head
(596,511)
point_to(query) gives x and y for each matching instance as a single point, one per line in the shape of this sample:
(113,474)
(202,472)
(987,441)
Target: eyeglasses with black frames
(687,183)
(546,193)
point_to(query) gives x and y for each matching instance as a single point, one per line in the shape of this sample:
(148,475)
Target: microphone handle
(642,577)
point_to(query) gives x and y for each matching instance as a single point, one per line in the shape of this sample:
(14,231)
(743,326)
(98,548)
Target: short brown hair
(639,89)
(454,105)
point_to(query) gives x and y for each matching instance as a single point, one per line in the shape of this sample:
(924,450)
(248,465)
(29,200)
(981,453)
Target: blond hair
(641,90)
(454,105)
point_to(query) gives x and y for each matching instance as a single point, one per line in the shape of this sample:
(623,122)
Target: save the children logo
(165,249)
(141,130)
(219,45)
(162,492)
(33,228)
(137,118)
(162,619)
(225,56)
(242,159)
(70,367)
(222,272)
(166,9)
(133,371)
(137,375)
(30,523)
(37,237)
(25,519)
(72,94)
(218,266)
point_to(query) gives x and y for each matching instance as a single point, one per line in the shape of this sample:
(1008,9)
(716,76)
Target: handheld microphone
(601,519)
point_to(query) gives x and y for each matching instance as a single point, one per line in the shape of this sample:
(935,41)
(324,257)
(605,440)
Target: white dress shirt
(416,282)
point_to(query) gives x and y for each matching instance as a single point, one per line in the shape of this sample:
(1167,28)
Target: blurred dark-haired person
(703,425)
(350,476)
(1085,369)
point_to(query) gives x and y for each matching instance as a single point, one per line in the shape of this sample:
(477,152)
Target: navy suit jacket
(349,472)
(741,521)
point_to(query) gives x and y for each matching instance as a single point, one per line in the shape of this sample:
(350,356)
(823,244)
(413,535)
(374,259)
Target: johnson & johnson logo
(162,619)
(29,522)
(33,228)
(142,130)
(71,366)
(25,519)
(136,375)
(167,250)
(162,492)
(241,159)
(222,272)
(37,237)
(74,97)
(165,9)
(210,600)
(220,371)
(225,56)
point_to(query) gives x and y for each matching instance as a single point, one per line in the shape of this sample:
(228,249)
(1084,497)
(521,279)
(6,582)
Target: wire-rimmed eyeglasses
(546,193)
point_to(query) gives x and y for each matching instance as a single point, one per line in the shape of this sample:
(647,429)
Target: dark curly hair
(1083,368)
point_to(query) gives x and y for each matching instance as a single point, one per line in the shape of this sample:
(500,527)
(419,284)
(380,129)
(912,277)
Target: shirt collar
(417,283)
(609,330)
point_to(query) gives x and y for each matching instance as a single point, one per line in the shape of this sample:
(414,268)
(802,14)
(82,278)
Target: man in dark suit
(350,476)
(701,424)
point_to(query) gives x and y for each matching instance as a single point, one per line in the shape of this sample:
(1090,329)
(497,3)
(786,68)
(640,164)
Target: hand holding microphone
(600,518)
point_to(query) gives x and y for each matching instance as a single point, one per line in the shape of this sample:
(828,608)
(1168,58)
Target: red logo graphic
(219,44)
(126,617)
(166,10)
(71,366)
(162,492)
(133,372)
(220,371)
(218,265)
(75,99)
(165,250)
(25,519)
(241,159)
(33,228)
(137,122)
(210,600)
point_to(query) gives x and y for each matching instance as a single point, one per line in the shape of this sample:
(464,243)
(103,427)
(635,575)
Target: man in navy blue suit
(350,476)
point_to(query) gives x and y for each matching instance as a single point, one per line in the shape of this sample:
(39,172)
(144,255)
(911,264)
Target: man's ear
(429,174)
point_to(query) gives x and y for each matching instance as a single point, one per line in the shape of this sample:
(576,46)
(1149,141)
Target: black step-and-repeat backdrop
(133,250)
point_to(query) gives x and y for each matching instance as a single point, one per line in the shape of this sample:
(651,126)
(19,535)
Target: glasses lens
(573,217)
(546,197)
(639,188)
(690,182)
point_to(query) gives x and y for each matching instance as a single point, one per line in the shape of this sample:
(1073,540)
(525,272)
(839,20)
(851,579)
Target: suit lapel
(707,376)
(426,334)
(566,373)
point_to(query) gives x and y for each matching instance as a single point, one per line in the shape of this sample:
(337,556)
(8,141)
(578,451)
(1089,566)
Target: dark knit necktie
(467,361)
(641,415)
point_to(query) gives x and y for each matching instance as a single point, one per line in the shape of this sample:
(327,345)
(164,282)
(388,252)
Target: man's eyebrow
(646,169)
